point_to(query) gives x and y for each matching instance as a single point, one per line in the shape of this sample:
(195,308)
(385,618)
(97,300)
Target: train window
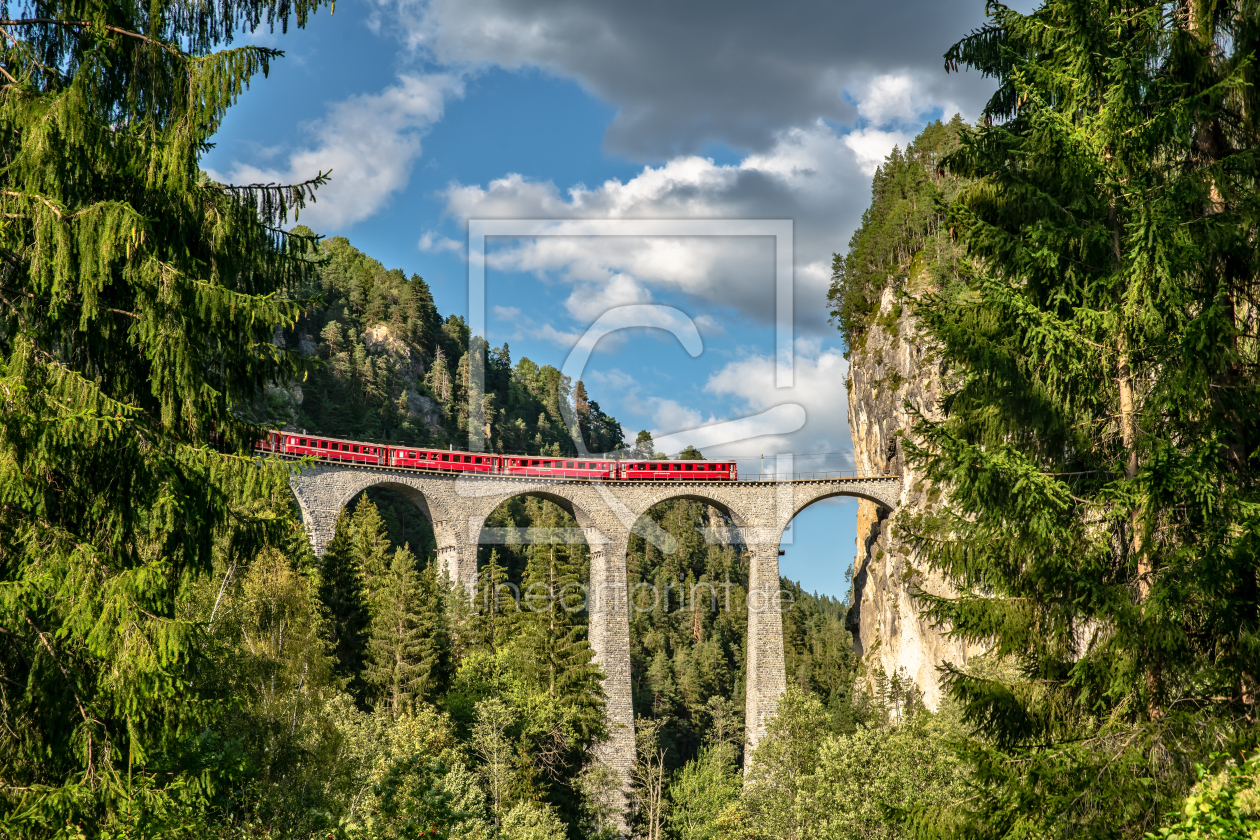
(689,467)
(411,454)
(445,457)
(323,444)
(356,448)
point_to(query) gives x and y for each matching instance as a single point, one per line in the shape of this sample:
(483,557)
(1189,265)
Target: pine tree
(1102,420)
(409,645)
(436,646)
(439,378)
(369,545)
(553,613)
(341,590)
(137,304)
(495,605)
(492,744)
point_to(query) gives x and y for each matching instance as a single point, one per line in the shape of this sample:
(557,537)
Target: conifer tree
(369,545)
(553,613)
(137,303)
(409,646)
(495,605)
(436,647)
(341,589)
(1102,420)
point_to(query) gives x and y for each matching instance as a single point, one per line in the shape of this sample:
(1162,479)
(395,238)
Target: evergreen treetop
(1100,436)
(137,303)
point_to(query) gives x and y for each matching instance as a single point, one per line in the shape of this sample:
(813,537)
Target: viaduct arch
(457,507)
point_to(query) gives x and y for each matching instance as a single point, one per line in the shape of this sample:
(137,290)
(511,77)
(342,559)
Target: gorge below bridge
(606,511)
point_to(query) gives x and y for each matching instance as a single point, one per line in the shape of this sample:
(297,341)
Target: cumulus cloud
(432,242)
(369,141)
(684,75)
(810,176)
(807,419)
(870,146)
(819,376)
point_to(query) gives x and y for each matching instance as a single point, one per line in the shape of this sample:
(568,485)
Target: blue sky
(432,112)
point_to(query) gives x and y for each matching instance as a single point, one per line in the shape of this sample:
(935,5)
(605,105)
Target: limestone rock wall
(894,366)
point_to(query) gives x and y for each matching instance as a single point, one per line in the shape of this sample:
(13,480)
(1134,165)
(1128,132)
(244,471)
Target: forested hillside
(394,370)
(901,234)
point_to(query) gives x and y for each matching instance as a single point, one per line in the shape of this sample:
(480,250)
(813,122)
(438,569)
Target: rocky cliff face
(894,367)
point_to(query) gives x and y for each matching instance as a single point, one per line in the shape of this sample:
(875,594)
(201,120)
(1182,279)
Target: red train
(406,457)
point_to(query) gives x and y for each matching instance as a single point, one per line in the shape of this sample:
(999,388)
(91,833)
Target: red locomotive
(293,445)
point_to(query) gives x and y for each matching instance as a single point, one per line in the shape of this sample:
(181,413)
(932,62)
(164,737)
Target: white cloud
(369,141)
(589,300)
(614,379)
(673,415)
(808,419)
(547,332)
(871,146)
(895,98)
(818,387)
(506,313)
(810,175)
(432,242)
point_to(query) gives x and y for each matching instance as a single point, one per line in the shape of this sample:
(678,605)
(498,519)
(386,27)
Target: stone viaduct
(606,512)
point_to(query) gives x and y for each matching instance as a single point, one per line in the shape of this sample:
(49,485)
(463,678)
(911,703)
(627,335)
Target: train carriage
(678,470)
(443,461)
(551,467)
(334,449)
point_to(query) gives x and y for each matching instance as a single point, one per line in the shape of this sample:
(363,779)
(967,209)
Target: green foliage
(554,608)
(1099,432)
(901,230)
(528,821)
(781,773)
(1225,806)
(864,779)
(687,623)
(411,801)
(806,780)
(409,644)
(701,790)
(137,300)
(818,652)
